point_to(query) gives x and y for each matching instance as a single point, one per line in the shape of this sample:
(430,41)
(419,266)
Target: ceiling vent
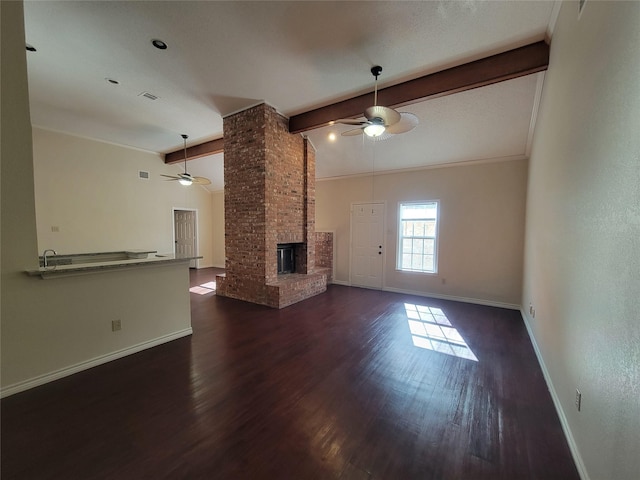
(143,175)
(148,95)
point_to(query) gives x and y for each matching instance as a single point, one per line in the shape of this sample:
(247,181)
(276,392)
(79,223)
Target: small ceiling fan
(186,178)
(380,120)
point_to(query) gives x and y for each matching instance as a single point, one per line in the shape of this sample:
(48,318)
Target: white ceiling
(297,55)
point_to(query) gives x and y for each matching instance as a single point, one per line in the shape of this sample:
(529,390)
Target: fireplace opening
(286,258)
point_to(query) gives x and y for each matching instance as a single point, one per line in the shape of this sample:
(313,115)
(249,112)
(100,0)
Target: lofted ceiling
(223,57)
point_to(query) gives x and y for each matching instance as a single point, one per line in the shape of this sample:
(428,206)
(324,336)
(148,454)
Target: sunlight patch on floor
(430,329)
(205,288)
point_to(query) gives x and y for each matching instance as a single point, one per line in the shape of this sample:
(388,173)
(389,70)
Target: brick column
(269,199)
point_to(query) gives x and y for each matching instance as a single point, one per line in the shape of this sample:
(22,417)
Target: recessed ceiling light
(31,48)
(112,81)
(332,137)
(159,44)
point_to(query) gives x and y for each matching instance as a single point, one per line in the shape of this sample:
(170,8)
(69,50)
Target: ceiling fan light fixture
(186,178)
(374,129)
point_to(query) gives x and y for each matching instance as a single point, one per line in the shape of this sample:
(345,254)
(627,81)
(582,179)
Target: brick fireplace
(269,200)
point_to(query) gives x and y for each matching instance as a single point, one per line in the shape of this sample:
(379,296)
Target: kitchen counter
(97,265)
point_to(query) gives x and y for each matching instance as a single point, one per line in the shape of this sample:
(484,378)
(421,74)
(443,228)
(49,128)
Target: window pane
(429,246)
(430,228)
(418,246)
(428,263)
(406,245)
(424,210)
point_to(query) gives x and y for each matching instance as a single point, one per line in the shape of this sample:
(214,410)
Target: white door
(185,233)
(367,247)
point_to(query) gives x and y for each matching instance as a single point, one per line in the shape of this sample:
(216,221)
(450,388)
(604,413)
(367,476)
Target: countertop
(95,267)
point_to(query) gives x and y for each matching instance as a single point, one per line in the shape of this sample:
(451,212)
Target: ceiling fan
(186,178)
(380,120)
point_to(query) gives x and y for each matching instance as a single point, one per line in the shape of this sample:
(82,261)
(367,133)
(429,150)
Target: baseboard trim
(454,298)
(575,453)
(477,301)
(94,362)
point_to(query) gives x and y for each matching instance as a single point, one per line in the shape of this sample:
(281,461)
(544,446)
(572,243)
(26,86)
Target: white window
(418,237)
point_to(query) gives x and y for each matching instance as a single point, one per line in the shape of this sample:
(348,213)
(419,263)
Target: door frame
(194,263)
(384,239)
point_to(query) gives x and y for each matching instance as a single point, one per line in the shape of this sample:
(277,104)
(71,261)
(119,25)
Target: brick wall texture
(324,254)
(269,199)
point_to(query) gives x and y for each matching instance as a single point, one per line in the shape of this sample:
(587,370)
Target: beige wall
(582,255)
(90,190)
(54,327)
(481,227)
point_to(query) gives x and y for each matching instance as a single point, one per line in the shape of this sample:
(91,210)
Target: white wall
(582,254)
(481,227)
(50,327)
(91,192)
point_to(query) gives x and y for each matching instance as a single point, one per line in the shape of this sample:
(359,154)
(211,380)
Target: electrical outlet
(578,399)
(116,325)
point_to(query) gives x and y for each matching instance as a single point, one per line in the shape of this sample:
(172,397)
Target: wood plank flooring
(330,388)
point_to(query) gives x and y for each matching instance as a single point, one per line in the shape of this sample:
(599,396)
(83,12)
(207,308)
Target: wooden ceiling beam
(202,150)
(514,63)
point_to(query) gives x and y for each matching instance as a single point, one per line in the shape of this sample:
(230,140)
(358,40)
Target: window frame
(401,237)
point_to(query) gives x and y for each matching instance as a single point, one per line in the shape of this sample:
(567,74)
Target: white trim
(575,453)
(476,301)
(554,18)
(99,140)
(261,102)
(534,112)
(464,163)
(94,362)
(306,137)
(453,298)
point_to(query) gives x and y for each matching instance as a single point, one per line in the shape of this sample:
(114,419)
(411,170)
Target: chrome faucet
(44,256)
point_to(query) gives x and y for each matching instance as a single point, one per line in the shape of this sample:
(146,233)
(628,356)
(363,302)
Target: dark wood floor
(329,388)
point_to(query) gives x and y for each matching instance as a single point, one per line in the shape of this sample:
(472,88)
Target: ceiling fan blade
(350,121)
(353,132)
(201,181)
(388,115)
(170,177)
(408,121)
